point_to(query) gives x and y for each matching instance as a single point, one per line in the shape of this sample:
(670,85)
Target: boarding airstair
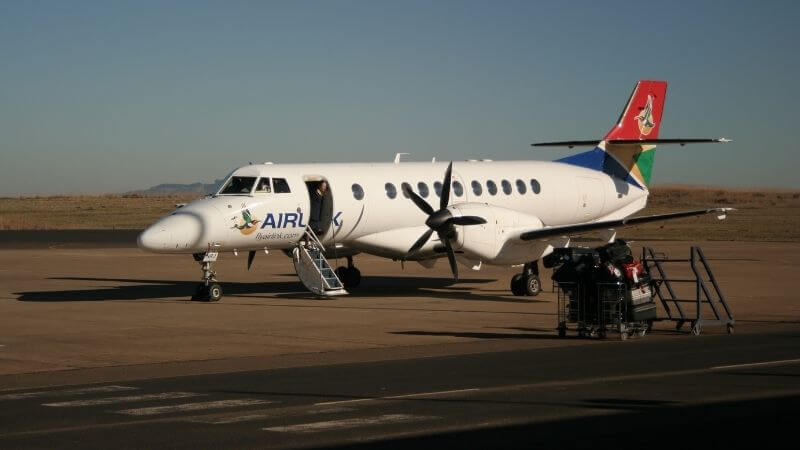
(695,286)
(313,269)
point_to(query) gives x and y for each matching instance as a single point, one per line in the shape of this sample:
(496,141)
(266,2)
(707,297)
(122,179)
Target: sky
(111,96)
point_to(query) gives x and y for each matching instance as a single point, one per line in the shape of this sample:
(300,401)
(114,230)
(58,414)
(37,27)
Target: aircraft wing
(566,230)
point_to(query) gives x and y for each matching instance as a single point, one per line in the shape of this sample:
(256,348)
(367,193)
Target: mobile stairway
(313,269)
(699,290)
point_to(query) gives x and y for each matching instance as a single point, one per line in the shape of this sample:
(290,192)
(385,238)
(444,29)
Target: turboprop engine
(481,231)
(491,241)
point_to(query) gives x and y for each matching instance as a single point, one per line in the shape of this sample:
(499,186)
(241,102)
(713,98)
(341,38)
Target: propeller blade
(445,200)
(250,256)
(452,258)
(420,242)
(467,220)
(421,204)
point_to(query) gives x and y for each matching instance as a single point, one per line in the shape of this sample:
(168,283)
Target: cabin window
(521,187)
(535,187)
(239,185)
(405,186)
(491,187)
(458,189)
(506,187)
(358,191)
(391,191)
(476,188)
(263,186)
(423,189)
(280,186)
(437,187)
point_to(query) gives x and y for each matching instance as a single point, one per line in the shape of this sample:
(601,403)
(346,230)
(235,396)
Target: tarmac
(101,345)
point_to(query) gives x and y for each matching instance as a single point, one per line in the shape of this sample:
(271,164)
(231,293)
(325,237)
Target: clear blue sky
(110,96)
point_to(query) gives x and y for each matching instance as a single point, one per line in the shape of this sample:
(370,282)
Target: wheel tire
(517,287)
(562,332)
(214,293)
(532,285)
(354,276)
(341,273)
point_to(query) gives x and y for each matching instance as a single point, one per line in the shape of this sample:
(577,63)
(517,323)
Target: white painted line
(262,416)
(125,399)
(64,393)
(237,419)
(315,427)
(342,402)
(198,406)
(434,394)
(394,397)
(766,363)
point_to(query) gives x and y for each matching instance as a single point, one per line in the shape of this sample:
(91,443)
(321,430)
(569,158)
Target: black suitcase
(642,313)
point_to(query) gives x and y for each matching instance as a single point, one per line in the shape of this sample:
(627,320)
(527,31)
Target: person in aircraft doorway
(317,200)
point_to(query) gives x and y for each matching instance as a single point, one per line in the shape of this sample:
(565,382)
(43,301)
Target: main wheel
(353,277)
(532,285)
(517,287)
(341,273)
(350,276)
(214,293)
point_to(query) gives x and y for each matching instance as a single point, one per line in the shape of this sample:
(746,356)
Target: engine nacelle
(490,242)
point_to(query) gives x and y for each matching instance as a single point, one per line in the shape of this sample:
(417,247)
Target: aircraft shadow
(547,334)
(761,422)
(378,286)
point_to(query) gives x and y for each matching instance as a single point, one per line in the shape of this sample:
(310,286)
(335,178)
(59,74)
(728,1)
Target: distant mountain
(176,188)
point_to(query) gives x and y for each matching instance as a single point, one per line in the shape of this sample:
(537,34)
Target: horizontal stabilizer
(685,141)
(579,228)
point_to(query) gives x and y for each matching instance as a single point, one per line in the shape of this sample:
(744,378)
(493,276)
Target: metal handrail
(310,233)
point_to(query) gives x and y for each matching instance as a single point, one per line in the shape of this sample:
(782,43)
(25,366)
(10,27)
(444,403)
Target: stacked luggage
(602,288)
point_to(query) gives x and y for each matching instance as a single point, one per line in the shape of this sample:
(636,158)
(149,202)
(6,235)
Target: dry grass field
(763,215)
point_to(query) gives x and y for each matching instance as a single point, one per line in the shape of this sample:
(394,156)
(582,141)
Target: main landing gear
(349,275)
(527,282)
(208,290)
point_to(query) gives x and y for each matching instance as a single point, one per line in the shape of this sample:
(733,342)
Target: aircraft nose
(172,233)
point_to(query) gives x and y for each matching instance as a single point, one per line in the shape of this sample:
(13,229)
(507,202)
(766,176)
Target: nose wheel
(528,282)
(208,290)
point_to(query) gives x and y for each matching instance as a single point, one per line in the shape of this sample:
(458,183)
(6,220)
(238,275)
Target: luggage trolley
(602,290)
(607,307)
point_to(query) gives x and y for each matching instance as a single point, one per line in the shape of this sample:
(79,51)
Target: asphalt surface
(668,392)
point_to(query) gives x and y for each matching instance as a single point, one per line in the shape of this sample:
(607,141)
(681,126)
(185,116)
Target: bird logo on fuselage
(645,119)
(249,224)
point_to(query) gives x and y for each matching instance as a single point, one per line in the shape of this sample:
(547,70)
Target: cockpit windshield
(238,186)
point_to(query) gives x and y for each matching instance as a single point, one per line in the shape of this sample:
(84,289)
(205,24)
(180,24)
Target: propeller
(442,220)
(250,256)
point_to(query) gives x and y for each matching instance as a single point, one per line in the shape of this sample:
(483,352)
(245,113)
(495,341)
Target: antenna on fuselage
(397,157)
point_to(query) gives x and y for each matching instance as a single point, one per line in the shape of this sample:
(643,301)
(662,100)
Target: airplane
(507,213)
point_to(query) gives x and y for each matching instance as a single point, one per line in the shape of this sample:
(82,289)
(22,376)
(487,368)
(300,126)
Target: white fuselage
(365,218)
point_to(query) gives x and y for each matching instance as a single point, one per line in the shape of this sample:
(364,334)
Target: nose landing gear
(527,283)
(208,290)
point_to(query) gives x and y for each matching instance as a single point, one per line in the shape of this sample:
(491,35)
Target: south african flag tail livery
(627,151)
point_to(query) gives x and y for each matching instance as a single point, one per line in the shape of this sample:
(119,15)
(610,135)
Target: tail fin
(640,120)
(628,149)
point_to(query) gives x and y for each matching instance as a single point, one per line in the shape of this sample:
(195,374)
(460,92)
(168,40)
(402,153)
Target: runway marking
(261,416)
(124,399)
(765,363)
(315,427)
(198,406)
(396,397)
(64,393)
